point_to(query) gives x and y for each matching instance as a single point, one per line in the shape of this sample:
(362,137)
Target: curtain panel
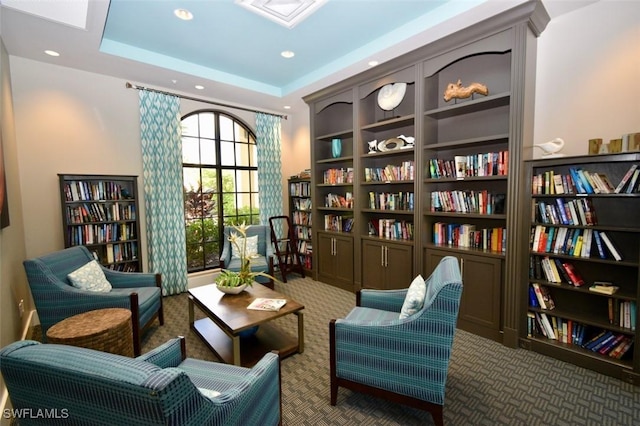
(162,170)
(268,143)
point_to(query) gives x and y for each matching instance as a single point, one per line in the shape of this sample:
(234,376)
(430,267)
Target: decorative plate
(390,144)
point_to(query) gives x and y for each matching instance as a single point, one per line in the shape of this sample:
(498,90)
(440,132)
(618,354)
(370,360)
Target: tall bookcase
(101,213)
(386,246)
(301,218)
(567,227)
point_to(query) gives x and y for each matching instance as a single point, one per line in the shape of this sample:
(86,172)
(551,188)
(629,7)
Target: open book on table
(265,304)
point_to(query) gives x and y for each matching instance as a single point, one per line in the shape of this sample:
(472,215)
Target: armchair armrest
(169,354)
(386,300)
(119,279)
(225,257)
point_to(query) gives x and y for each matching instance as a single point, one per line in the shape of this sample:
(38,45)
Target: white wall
(588,76)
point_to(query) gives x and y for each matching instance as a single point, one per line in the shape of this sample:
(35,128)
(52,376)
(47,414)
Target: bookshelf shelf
(100,212)
(615,315)
(300,212)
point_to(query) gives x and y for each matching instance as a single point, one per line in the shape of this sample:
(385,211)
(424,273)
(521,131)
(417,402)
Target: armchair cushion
(251,249)
(90,277)
(414,300)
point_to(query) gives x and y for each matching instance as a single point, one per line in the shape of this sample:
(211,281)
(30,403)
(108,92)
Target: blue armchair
(87,387)
(56,299)
(375,351)
(262,263)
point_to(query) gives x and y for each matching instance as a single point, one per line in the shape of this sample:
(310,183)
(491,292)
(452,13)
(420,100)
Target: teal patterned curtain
(269,166)
(162,169)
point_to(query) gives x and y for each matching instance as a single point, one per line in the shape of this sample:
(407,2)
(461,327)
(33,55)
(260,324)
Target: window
(220,181)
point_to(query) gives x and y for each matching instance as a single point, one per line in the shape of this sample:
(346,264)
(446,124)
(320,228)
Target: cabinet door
(399,266)
(372,265)
(480,307)
(343,261)
(326,260)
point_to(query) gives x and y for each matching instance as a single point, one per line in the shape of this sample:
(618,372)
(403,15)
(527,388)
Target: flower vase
(336,147)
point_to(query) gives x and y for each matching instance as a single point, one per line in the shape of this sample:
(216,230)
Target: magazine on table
(266,304)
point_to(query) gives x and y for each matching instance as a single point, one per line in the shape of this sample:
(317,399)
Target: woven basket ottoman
(106,330)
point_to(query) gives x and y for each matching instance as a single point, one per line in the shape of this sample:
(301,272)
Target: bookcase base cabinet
(386,265)
(480,306)
(335,260)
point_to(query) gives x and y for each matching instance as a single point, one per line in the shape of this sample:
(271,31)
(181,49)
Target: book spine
(610,246)
(626,178)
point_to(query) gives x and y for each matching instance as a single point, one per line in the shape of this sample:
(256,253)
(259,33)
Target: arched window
(220,181)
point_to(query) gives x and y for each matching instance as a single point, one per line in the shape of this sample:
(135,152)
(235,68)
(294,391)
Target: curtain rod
(133,86)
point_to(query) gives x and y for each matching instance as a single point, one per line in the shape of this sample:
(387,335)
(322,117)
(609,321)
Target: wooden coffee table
(228,316)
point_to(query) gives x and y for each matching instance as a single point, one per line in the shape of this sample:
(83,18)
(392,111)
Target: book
(576,278)
(626,178)
(612,249)
(543,296)
(266,304)
(609,289)
(596,236)
(632,182)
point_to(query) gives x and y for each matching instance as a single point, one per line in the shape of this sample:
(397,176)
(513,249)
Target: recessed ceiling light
(199,87)
(287,107)
(51,53)
(373,63)
(287,54)
(183,14)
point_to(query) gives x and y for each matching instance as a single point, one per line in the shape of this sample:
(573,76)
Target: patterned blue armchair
(406,360)
(56,299)
(262,263)
(86,387)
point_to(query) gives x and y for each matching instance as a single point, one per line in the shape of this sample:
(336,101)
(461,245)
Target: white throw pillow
(252,247)
(414,300)
(90,277)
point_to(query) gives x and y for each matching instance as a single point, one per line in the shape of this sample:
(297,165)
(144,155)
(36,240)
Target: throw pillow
(251,250)
(90,277)
(414,299)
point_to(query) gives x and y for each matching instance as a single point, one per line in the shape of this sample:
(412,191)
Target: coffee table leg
(300,331)
(236,350)
(191,314)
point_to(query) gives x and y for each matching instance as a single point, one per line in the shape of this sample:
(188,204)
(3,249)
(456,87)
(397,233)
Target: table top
(230,310)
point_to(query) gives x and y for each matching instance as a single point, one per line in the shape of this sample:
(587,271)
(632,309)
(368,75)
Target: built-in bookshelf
(300,207)
(582,287)
(101,213)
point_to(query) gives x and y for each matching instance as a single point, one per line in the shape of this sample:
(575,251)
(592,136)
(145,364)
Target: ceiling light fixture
(287,54)
(287,107)
(51,53)
(199,87)
(287,13)
(183,14)
(373,63)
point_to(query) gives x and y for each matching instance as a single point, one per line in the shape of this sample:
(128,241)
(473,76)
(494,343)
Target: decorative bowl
(232,290)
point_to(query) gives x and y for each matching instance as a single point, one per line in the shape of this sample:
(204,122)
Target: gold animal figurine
(455,90)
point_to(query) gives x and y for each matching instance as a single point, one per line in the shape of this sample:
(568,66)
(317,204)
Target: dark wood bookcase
(301,218)
(500,53)
(101,212)
(580,314)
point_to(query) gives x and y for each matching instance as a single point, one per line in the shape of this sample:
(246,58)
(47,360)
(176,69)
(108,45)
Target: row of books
(94,212)
(622,313)
(300,189)
(302,218)
(334,176)
(340,201)
(573,242)
(466,235)
(461,166)
(465,201)
(98,234)
(391,201)
(604,342)
(95,191)
(405,171)
(554,271)
(305,247)
(391,229)
(121,252)
(303,232)
(338,223)
(573,212)
(302,203)
(307,260)
(577,181)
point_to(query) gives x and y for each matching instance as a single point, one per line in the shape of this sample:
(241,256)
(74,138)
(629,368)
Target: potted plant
(234,282)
